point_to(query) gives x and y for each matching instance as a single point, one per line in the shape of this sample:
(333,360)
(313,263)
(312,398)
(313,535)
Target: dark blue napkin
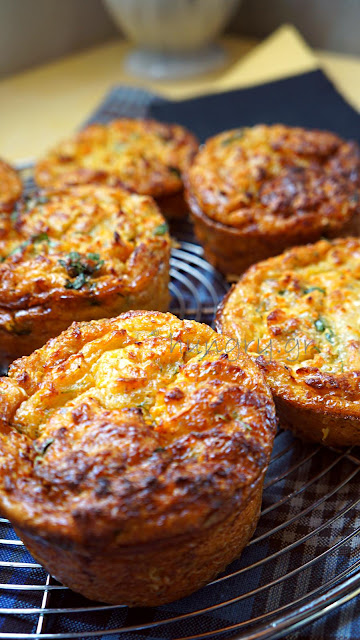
(306,100)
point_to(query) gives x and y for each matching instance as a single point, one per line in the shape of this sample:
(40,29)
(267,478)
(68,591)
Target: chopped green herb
(282,292)
(175,171)
(42,448)
(81,268)
(94,256)
(319,325)
(19,248)
(161,229)
(237,135)
(41,237)
(145,404)
(34,201)
(14,216)
(235,416)
(310,289)
(261,307)
(158,449)
(329,335)
(42,200)
(78,283)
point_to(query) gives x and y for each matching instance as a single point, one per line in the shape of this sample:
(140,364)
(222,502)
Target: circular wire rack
(302,562)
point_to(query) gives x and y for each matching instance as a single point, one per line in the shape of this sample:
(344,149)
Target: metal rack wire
(301,563)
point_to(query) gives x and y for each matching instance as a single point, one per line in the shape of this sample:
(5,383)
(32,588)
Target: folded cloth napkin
(323,484)
(306,100)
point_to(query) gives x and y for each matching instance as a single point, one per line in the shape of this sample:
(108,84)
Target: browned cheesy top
(132,428)
(298,315)
(267,179)
(88,241)
(144,156)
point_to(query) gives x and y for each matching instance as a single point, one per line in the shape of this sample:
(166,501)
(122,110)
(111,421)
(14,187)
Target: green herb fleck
(81,268)
(237,135)
(329,335)
(19,248)
(76,284)
(175,171)
(161,229)
(319,325)
(235,416)
(41,237)
(14,216)
(145,404)
(34,201)
(42,200)
(310,289)
(42,447)
(220,417)
(94,256)
(159,449)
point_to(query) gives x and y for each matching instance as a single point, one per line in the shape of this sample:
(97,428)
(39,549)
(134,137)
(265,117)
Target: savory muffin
(10,187)
(256,191)
(78,254)
(297,315)
(133,453)
(143,156)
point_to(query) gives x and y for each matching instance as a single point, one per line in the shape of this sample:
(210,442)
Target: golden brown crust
(10,187)
(297,316)
(129,436)
(154,574)
(143,156)
(82,253)
(254,192)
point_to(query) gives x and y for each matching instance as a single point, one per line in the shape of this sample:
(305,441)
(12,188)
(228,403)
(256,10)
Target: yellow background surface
(43,105)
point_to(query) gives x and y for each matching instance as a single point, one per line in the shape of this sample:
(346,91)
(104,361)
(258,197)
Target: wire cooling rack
(302,562)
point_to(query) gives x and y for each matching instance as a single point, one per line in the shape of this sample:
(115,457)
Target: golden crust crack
(135,433)
(80,253)
(297,316)
(253,192)
(143,156)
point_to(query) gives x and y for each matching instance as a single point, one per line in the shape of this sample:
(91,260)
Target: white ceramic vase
(174,37)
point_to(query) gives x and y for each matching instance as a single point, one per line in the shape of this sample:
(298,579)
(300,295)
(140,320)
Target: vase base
(159,65)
